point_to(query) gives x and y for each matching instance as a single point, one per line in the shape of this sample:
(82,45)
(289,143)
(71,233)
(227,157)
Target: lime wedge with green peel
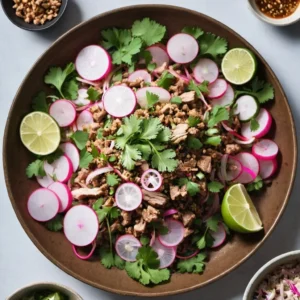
(239,66)
(239,212)
(39,133)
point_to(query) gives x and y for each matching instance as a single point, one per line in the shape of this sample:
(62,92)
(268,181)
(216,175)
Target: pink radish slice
(246,176)
(64,195)
(175,234)
(170,212)
(85,257)
(141,94)
(188,256)
(159,55)
(226,99)
(127,247)
(151,180)
(72,153)
(97,172)
(226,127)
(84,119)
(181,77)
(81,225)
(44,181)
(93,63)
(82,108)
(61,169)
(82,98)
(265,149)
(43,205)
(206,70)
(219,236)
(250,167)
(182,48)
(267,168)
(231,168)
(143,74)
(63,112)
(217,89)
(119,101)
(264,120)
(165,254)
(128,196)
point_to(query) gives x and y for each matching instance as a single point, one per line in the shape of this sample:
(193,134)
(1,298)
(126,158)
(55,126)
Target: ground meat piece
(139,227)
(136,83)
(176,192)
(99,116)
(214,154)
(116,226)
(160,69)
(82,175)
(126,175)
(154,198)
(150,214)
(187,218)
(129,230)
(168,109)
(82,193)
(193,131)
(204,164)
(144,166)
(116,124)
(106,151)
(194,113)
(126,215)
(141,113)
(179,133)
(232,148)
(178,87)
(109,202)
(187,166)
(188,97)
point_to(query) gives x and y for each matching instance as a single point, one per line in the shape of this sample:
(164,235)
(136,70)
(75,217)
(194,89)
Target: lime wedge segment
(238,210)
(239,65)
(39,133)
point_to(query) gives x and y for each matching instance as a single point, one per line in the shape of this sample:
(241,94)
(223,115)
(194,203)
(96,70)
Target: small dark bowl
(10,12)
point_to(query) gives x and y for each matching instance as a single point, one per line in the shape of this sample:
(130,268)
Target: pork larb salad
(147,146)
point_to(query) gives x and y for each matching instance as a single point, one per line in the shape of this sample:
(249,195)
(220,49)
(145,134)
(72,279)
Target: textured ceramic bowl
(44,286)
(268,268)
(270,203)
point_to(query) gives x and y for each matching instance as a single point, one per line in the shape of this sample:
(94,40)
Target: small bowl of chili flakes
(276,12)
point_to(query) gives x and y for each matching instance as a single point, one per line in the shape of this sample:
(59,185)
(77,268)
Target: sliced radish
(226,99)
(97,172)
(127,247)
(72,153)
(267,168)
(93,63)
(165,254)
(170,212)
(141,94)
(119,101)
(217,89)
(244,142)
(182,48)
(128,196)
(63,112)
(246,176)
(175,234)
(61,169)
(85,257)
(231,168)
(43,205)
(188,256)
(206,70)
(82,98)
(44,181)
(264,120)
(265,149)
(219,236)
(85,118)
(151,180)
(246,108)
(159,55)
(64,195)
(250,167)
(81,225)
(142,74)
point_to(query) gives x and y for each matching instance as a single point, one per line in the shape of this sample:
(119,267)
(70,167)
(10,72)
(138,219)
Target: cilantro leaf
(176,100)
(254,125)
(158,275)
(200,175)
(198,88)
(93,94)
(119,262)
(212,45)
(149,257)
(196,32)
(193,121)
(39,102)
(85,159)
(150,128)
(192,265)
(99,202)
(160,227)
(118,75)
(107,258)
(215,186)
(151,67)
(213,140)
(144,240)
(256,185)
(53,156)
(213,223)
(80,138)
(112,179)
(151,99)
(147,56)
(133,269)
(201,244)
(218,114)
(70,89)
(144,149)
(164,161)
(166,80)
(55,224)
(36,168)
(129,156)
(164,135)
(191,187)
(111,37)
(194,143)
(212,131)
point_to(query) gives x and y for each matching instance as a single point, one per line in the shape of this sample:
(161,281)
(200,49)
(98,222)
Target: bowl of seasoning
(276,12)
(34,15)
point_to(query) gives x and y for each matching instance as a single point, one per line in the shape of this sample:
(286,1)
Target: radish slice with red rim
(64,195)
(246,107)
(61,169)
(97,172)
(246,176)
(63,112)
(82,98)
(231,168)
(93,63)
(159,55)
(128,196)
(127,247)
(140,74)
(265,149)
(43,205)
(217,89)
(247,142)
(182,48)
(44,181)
(175,234)
(119,101)
(226,99)
(85,257)
(165,254)
(250,167)
(141,94)
(81,225)
(206,70)
(170,212)
(151,180)
(72,153)
(267,168)
(84,119)
(219,236)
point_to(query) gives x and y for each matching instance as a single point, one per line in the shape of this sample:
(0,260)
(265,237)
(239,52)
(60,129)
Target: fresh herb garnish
(151,99)
(194,143)
(256,185)
(217,115)
(112,179)
(198,88)
(93,94)
(212,45)
(36,168)
(215,186)
(110,259)
(192,265)
(176,100)
(196,32)
(254,125)
(193,121)
(191,187)
(55,224)
(213,140)
(80,138)
(166,80)
(85,158)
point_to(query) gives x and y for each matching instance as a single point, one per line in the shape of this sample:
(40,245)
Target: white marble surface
(20,261)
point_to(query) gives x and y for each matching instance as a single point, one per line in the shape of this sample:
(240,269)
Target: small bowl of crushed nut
(34,15)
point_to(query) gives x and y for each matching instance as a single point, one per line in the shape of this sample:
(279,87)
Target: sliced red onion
(152,238)
(224,160)
(205,199)
(96,84)
(240,137)
(97,172)
(248,142)
(170,212)
(189,256)
(174,73)
(231,174)
(204,101)
(188,75)
(84,257)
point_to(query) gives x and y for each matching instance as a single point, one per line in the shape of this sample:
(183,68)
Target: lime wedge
(238,210)
(239,65)
(39,133)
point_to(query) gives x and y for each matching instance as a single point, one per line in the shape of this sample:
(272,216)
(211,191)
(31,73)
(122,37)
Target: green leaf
(151,99)
(129,156)
(133,269)
(53,156)
(164,161)
(80,138)
(151,67)
(94,152)
(36,168)
(212,45)
(196,32)
(70,89)
(254,125)
(147,56)
(166,80)
(39,102)
(97,205)
(215,186)
(107,258)
(200,175)
(212,131)
(164,135)
(209,240)
(114,213)
(191,187)
(194,143)
(111,37)
(213,223)
(93,94)
(112,179)
(85,159)
(144,240)
(256,185)
(55,224)
(145,150)
(158,276)
(149,257)
(117,76)
(201,244)
(150,128)
(213,140)
(119,262)
(218,114)
(176,100)
(193,121)
(263,91)
(203,87)
(102,213)
(192,265)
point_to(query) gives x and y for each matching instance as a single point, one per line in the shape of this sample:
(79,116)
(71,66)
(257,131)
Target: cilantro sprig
(192,265)
(191,187)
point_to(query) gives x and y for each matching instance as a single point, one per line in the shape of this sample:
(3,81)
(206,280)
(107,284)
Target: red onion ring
(188,75)
(170,212)
(152,238)
(85,257)
(97,172)
(96,84)
(230,130)
(171,71)
(187,257)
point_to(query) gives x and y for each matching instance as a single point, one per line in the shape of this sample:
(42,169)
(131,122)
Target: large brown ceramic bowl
(55,246)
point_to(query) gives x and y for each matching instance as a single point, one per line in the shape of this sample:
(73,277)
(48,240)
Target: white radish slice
(82,98)
(140,74)
(265,149)
(84,119)
(61,169)
(64,195)
(246,176)
(97,172)
(119,101)
(219,236)
(165,254)
(93,63)
(217,89)
(206,70)
(43,205)
(63,112)
(182,48)
(226,99)
(267,168)
(141,94)
(44,181)
(231,168)
(72,153)
(159,55)
(264,120)
(127,247)
(151,180)
(246,108)
(250,167)
(128,196)
(175,234)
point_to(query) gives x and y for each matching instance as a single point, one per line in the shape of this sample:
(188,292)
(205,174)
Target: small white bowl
(270,266)
(44,286)
(277,22)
